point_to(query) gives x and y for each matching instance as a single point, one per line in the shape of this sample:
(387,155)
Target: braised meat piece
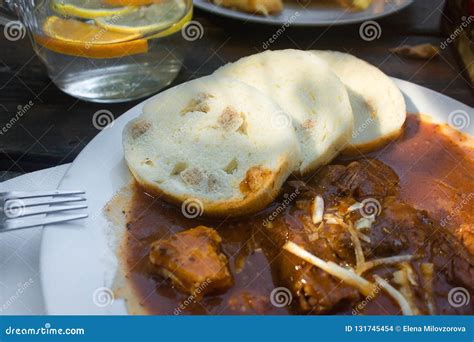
(360,179)
(193,261)
(249,302)
(314,291)
(393,229)
(399,229)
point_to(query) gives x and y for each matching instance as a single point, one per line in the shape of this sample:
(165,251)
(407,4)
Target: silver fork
(20,209)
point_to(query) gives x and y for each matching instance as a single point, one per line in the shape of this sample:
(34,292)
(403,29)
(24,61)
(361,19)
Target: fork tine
(46,201)
(50,210)
(33,194)
(33,222)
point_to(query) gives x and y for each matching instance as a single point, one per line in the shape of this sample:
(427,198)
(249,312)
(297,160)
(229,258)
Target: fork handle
(34,222)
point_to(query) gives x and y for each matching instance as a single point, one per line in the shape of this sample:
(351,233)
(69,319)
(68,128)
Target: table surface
(58,126)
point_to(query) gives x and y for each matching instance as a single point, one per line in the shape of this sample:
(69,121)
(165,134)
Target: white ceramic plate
(311,14)
(76,259)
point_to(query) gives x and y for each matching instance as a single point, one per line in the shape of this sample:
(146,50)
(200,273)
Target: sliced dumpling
(307,89)
(377,103)
(209,144)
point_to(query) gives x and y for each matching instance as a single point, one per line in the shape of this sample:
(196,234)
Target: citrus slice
(130,2)
(76,38)
(87,9)
(133,47)
(76,31)
(147,19)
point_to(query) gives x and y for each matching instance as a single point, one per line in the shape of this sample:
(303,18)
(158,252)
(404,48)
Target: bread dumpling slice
(377,103)
(307,89)
(208,145)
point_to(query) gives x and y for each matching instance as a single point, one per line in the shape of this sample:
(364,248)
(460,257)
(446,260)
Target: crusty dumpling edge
(365,147)
(251,203)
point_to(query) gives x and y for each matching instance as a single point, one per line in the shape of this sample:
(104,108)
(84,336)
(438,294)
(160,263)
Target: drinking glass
(104,50)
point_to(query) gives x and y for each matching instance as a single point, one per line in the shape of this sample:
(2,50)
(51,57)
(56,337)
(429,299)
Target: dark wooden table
(58,126)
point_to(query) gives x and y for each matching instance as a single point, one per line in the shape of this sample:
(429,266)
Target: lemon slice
(166,14)
(130,2)
(87,9)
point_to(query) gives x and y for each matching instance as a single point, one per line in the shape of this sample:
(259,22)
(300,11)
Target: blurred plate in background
(311,15)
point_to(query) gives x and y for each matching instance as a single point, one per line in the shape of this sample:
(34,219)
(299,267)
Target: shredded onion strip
(395,294)
(363,237)
(359,253)
(346,275)
(317,210)
(427,269)
(402,278)
(377,262)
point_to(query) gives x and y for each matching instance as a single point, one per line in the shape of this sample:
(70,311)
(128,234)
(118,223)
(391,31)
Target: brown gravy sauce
(436,174)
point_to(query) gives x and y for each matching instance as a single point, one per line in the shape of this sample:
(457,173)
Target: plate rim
(208,7)
(405,86)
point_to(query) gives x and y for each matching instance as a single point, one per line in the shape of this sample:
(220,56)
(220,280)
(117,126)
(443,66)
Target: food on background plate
(351,230)
(267,7)
(211,141)
(305,88)
(420,51)
(377,104)
(357,5)
(264,7)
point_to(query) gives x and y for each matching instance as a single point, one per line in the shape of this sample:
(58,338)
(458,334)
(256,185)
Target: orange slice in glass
(77,38)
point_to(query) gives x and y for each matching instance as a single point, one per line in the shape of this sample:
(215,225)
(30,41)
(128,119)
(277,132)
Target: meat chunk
(314,291)
(399,228)
(395,228)
(360,179)
(249,302)
(193,261)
